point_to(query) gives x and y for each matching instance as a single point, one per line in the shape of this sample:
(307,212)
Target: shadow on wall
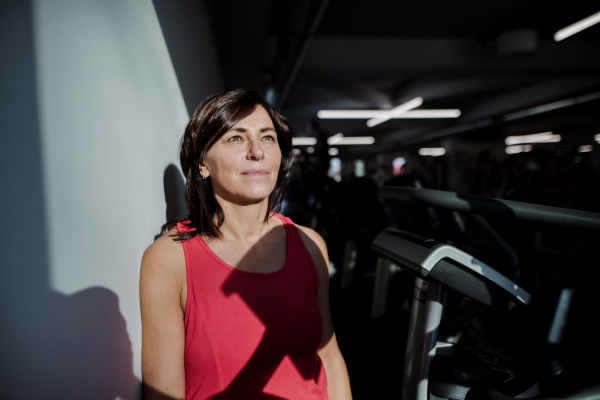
(71,347)
(174,192)
(51,346)
(184,37)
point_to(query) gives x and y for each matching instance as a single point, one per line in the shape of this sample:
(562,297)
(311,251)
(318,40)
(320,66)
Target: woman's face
(243,164)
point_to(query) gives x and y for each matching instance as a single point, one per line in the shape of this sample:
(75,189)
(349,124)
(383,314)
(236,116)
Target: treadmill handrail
(414,254)
(484,205)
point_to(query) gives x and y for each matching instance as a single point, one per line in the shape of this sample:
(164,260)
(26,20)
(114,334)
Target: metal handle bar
(484,205)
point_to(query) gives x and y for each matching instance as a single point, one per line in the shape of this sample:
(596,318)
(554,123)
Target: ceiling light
(597,138)
(432,151)
(304,141)
(310,150)
(585,149)
(367,114)
(442,113)
(339,138)
(335,138)
(546,137)
(333,151)
(518,149)
(356,140)
(347,114)
(297,152)
(386,115)
(577,27)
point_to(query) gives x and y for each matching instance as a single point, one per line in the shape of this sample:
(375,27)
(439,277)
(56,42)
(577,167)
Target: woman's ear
(203,171)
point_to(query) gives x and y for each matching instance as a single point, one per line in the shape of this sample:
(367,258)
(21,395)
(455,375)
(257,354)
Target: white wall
(107,114)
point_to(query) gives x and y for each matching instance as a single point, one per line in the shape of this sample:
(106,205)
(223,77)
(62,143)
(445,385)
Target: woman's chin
(250,198)
(248,201)
(245,194)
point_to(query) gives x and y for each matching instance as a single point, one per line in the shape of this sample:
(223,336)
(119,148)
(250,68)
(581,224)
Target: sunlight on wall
(112,115)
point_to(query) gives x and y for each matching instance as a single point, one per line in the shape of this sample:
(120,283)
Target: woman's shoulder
(318,251)
(312,240)
(165,256)
(163,289)
(315,244)
(310,237)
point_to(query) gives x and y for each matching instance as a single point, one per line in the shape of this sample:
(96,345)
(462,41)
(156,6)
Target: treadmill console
(452,267)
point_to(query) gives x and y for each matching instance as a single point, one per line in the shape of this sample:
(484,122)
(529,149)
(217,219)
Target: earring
(203,177)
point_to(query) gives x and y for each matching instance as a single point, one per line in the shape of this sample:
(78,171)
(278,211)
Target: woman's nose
(256,151)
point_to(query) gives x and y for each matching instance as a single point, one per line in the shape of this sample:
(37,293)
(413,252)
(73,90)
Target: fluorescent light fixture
(518,149)
(348,114)
(367,114)
(339,138)
(355,140)
(304,141)
(585,149)
(432,151)
(386,115)
(335,138)
(597,138)
(333,151)
(577,27)
(442,113)
(545,137)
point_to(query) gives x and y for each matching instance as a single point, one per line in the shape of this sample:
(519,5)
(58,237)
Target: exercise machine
(438,370)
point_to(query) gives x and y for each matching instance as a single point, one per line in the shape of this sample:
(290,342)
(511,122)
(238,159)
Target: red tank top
(252,335)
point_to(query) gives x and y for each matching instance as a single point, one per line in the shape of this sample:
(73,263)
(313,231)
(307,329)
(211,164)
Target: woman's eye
(269,137)
(235,138)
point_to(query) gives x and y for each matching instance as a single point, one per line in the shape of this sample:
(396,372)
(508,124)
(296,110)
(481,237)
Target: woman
(234,298)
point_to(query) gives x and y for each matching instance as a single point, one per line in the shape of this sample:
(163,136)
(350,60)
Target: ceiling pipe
(298,40)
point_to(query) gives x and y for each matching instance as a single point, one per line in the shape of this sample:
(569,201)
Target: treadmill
(437,370)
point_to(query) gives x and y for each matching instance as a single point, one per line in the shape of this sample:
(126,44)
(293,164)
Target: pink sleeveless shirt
(252,335)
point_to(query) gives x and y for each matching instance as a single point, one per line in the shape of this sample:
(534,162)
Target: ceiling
(376,54)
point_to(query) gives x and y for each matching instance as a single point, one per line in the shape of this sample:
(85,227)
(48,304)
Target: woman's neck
(244,223)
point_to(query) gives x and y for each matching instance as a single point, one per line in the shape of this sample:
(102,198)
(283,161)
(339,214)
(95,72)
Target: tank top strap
(299,251)
(183,226)
(190,250)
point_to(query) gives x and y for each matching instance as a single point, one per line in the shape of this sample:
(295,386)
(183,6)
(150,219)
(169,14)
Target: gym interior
(447,152)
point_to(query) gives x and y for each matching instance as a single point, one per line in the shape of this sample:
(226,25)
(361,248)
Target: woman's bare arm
(338,383)
(162,302)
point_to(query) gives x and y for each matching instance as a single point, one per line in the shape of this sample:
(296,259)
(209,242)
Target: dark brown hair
(212,119)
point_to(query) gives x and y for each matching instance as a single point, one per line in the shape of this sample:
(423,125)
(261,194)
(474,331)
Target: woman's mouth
(255,172)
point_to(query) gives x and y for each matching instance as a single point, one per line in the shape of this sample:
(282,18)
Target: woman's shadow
(174,192)
(71,347)
(66,347)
